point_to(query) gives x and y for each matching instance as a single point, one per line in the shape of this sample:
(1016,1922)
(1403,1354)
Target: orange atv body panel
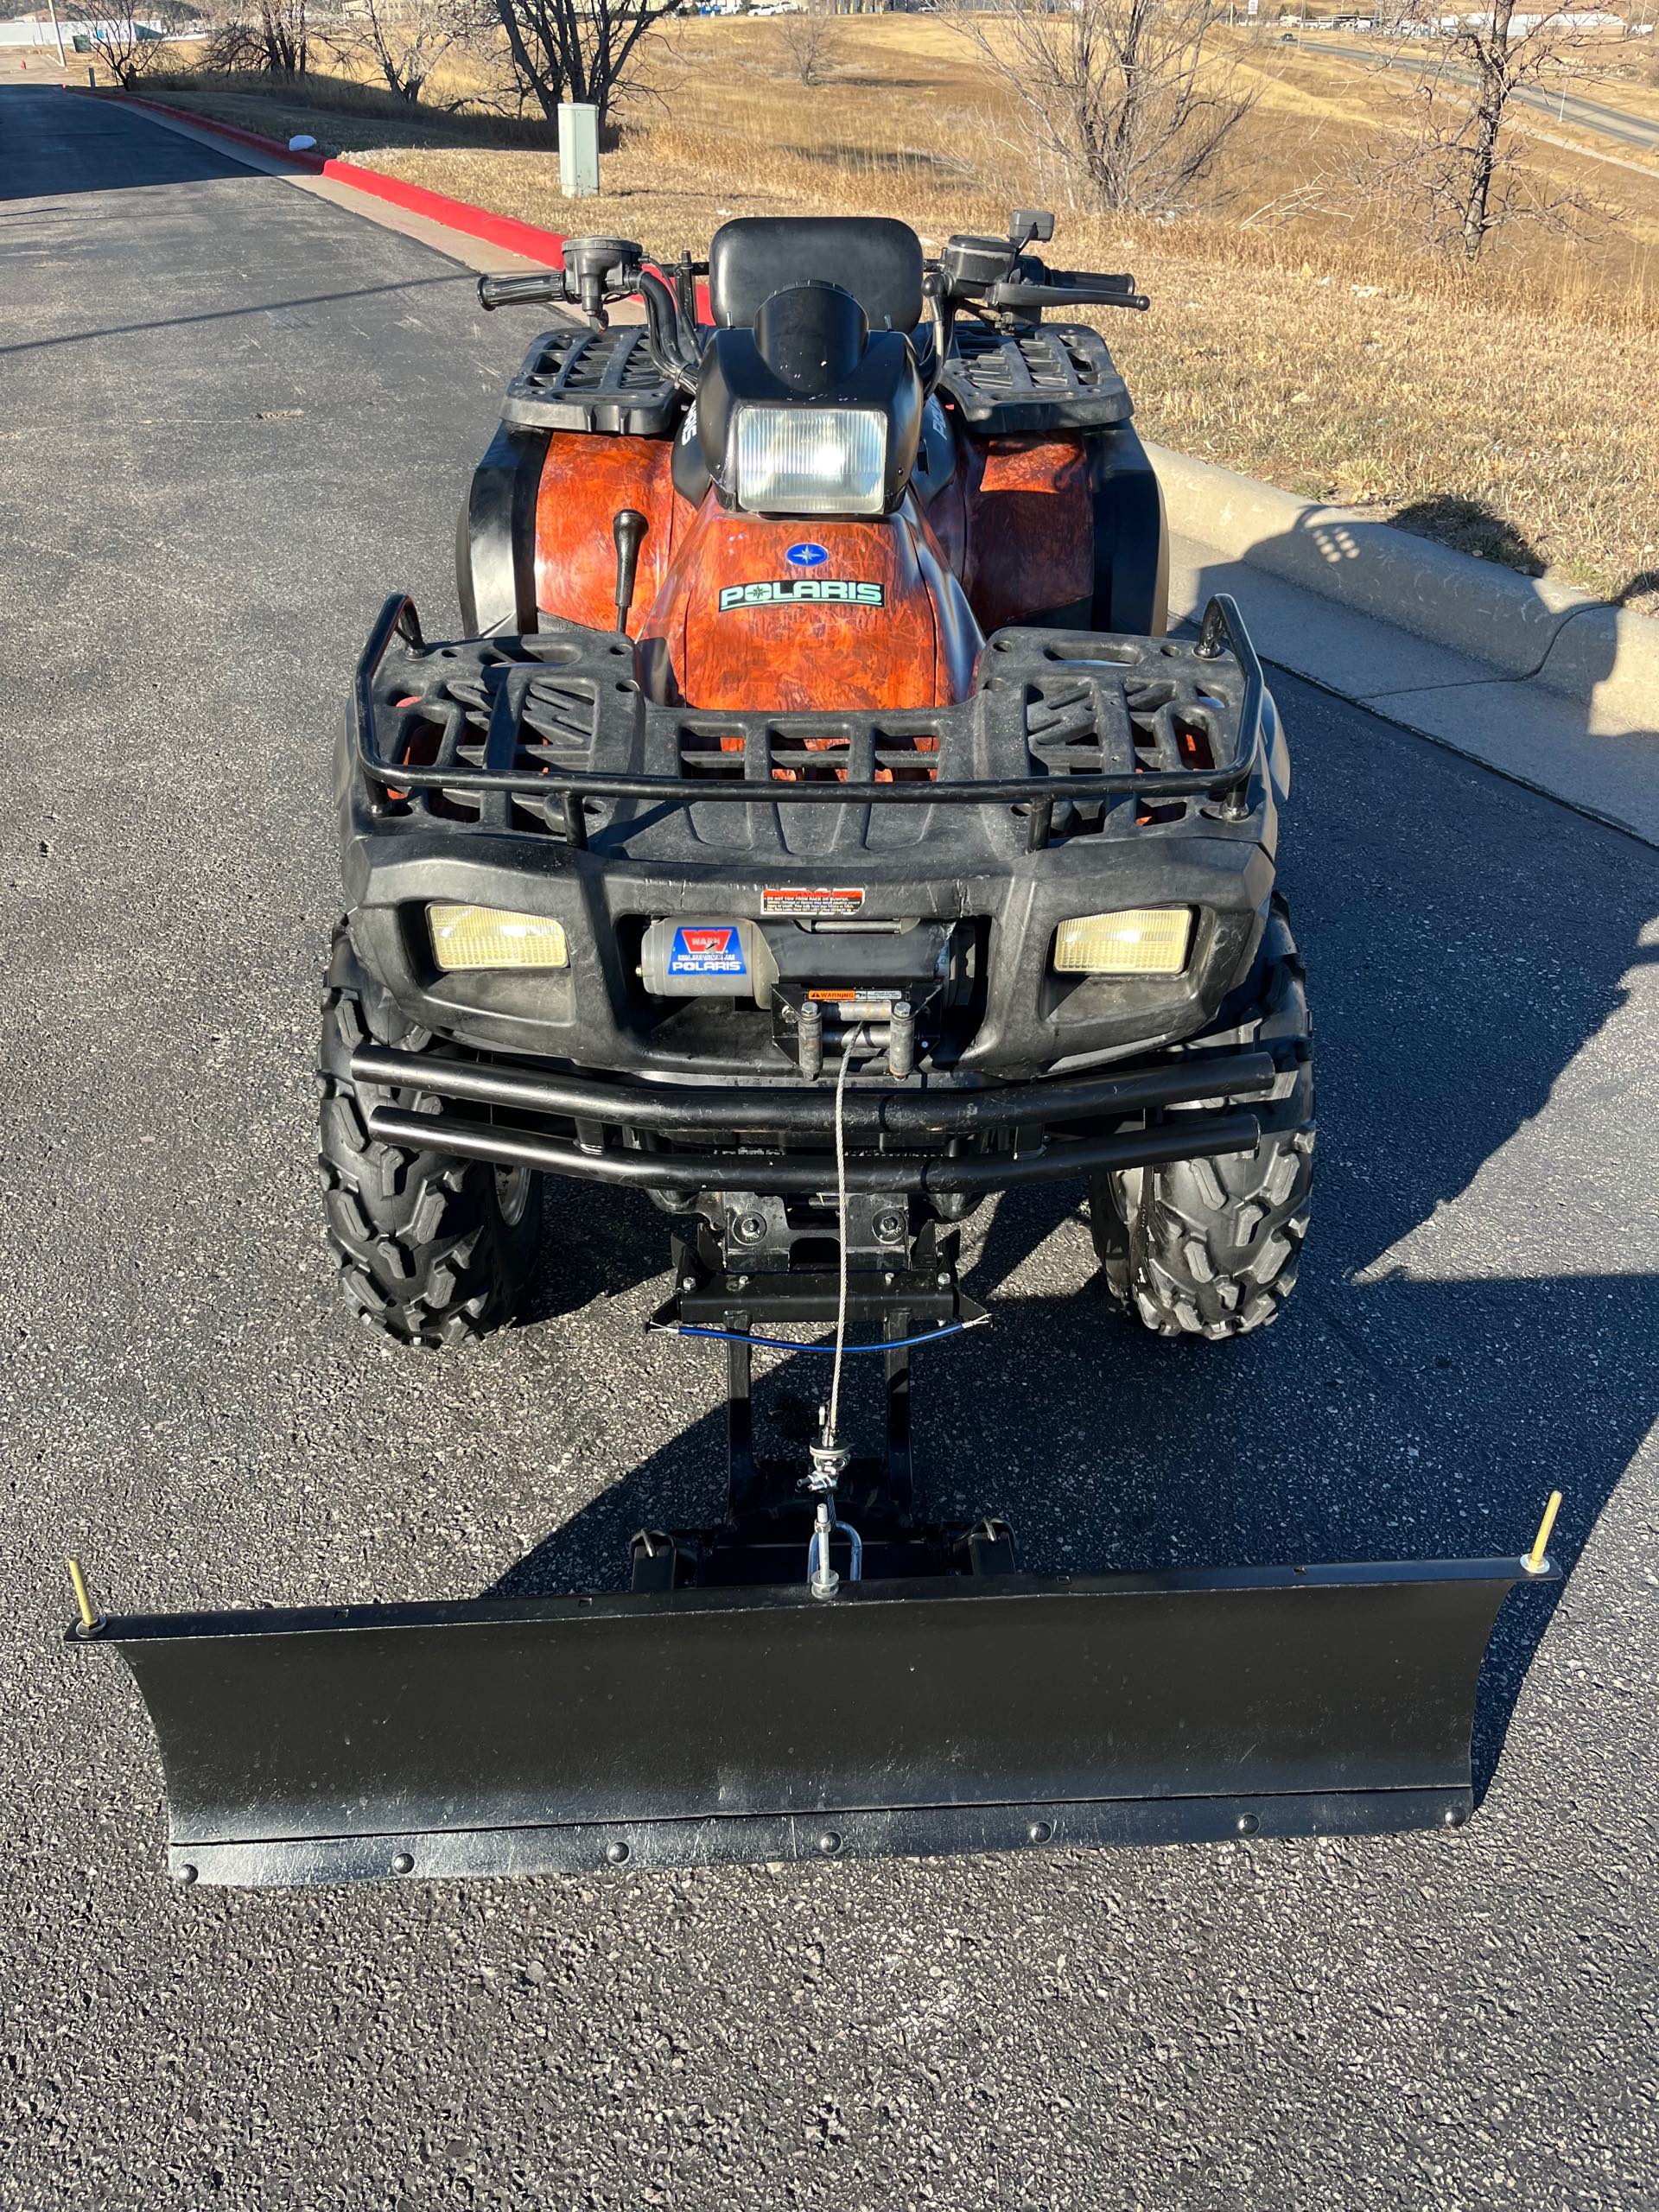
(1010,538)
(737,625)
(1029,534)
(585,482)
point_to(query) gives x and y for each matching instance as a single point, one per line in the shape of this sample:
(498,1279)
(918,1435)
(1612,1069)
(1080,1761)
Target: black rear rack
(1047,697)
(1056,376)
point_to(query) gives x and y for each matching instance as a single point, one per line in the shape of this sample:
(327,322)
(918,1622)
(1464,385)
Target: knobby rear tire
(431,1249)
(1210,1247)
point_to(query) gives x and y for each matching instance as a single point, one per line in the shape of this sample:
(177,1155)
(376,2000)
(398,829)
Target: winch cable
(831,1424)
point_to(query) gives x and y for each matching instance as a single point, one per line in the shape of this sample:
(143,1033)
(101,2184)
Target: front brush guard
(691,1726)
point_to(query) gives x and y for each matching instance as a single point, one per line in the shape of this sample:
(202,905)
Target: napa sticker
(802,591)
(713,949)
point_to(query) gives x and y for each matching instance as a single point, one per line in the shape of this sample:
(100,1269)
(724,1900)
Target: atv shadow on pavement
(597,1242)
(1440,1370)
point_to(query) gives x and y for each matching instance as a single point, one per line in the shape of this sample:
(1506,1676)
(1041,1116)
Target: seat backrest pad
(876,258)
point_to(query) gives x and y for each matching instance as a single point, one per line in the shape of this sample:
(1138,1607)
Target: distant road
(1560,107)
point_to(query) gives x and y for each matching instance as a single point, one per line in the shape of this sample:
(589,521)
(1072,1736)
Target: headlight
(810,461)
(1139,941)
(485,936)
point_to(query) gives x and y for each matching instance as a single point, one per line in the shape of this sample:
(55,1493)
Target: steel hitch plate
(686,1728)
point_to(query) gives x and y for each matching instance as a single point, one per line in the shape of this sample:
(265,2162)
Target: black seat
(876,259)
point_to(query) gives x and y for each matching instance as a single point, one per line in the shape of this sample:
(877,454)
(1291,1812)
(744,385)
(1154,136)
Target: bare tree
(1120,96)
(812,45)
(283,31)
(1464,164)
(575,49)
(405,40)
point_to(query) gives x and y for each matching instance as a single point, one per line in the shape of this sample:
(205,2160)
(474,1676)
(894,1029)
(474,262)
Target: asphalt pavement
(235,416)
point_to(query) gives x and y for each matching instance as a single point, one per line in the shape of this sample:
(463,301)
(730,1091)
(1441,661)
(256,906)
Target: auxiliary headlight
(485,936)
(810,461)
(1139,941)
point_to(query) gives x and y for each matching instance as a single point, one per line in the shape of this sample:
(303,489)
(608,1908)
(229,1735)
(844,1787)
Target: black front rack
(1055,698)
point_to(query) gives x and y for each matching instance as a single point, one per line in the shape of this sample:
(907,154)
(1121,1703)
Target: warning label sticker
(811,902)
(867,994)
(715,950)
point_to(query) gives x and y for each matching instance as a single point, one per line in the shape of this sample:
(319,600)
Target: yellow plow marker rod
(91,1621)
(1536,1558)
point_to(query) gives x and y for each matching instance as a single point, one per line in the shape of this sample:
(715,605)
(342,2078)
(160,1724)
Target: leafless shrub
(127,47)
(285,26)
(270,37)
(812,44)
(403,41)
(1119,97)
(234,47)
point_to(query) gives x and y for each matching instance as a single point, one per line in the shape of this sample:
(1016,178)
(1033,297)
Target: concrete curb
(1585,648)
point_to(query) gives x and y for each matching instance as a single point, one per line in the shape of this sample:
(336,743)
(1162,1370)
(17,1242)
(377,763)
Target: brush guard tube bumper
(1197,1137)
(692,1727)
(1018,1125)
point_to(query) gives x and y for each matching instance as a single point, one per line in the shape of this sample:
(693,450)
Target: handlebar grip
(510,291)
(1103,290)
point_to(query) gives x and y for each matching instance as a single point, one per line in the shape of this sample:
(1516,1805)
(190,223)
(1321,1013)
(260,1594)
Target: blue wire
(788,1343)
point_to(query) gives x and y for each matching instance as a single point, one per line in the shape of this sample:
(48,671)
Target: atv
(816,828)
(871,566)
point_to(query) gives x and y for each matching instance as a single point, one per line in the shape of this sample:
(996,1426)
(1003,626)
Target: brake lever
(1011,298)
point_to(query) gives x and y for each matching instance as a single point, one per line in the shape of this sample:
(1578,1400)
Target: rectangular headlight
(486,937)
(810,461)
(1139,941)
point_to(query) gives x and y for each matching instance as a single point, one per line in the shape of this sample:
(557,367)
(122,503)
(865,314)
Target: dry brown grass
(1512,406)
(333,106)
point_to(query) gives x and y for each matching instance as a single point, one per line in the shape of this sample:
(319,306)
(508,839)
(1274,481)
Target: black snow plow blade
(687,1726)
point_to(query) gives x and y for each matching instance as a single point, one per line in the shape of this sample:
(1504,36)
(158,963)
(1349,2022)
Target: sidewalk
(1536,736)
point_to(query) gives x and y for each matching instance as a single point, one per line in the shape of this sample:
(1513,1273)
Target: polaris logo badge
(807,557)
(802,591)
(707,952)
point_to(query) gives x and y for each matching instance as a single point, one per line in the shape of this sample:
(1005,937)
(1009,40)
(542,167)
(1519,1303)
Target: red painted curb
(505,231)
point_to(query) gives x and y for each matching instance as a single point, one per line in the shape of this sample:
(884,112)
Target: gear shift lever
(628,528)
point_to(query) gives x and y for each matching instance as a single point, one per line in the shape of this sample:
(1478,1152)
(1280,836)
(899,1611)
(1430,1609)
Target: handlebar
(997,276)
(598,271)
(513,291)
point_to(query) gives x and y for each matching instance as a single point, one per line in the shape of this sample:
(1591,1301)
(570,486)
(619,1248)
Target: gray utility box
(578,151)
